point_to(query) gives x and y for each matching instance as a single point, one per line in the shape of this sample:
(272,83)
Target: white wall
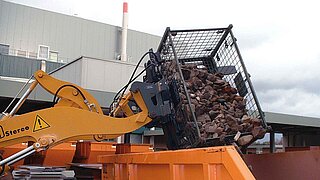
(106,75)
(98,74)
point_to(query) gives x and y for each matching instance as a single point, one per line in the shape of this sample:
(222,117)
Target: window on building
(43,52)
(53,56)
(4,49)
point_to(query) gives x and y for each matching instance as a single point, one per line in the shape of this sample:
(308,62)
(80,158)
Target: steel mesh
(215,49)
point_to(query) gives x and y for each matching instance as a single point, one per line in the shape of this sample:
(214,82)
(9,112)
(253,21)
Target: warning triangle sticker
(1,132)
(40,124)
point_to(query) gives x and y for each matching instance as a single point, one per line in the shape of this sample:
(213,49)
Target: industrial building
(60,39)
(35,33)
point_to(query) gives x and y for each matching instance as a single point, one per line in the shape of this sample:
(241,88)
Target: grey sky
(278,39)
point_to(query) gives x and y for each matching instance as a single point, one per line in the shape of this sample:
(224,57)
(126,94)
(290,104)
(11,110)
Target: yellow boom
(76,116)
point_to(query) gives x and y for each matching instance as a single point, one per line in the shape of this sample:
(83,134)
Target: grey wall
(301,139)
(21,67)
(13,66)
(26,28)
(50,66)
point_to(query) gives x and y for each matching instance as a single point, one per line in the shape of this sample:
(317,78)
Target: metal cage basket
(211,51)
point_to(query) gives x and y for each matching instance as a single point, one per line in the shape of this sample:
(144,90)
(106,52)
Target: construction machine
(77,115)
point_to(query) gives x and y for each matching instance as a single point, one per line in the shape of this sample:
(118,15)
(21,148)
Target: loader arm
(77,116)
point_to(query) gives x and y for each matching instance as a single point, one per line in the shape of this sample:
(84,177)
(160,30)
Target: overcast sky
(278,39)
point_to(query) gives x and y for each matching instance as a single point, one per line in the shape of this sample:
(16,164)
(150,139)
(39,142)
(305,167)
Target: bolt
(37,145)
(75,92)
(43,142)
(40,75)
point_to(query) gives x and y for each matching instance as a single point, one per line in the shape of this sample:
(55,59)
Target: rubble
(245,140)
(219,109)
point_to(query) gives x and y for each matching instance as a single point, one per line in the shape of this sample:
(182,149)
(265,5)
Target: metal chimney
(124,32)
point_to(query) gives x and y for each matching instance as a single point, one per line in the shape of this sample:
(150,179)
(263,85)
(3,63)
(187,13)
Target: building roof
(288,119)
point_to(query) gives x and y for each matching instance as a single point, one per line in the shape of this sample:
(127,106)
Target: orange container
(62,154)
(59,155)
(100,148)
(205,163)
(133,148)
(10,150)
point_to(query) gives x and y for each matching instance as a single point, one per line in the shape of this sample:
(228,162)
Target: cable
(115,98)
(124,88)
(63,86)
(149,52)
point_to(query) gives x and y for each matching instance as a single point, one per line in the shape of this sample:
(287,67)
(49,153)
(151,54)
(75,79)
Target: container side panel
(150,171)
(188,171)
(121,171)
(235,165)
(205,163)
